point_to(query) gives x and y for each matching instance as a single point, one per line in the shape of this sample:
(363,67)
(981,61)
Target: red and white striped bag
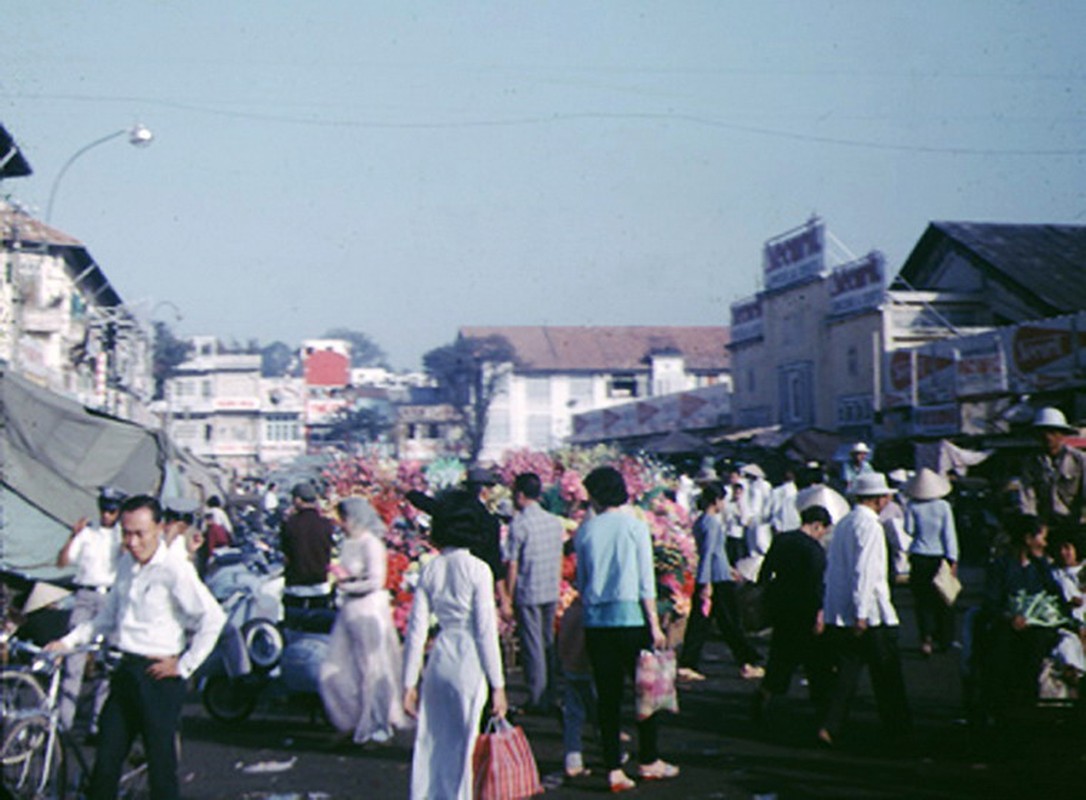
(503,764)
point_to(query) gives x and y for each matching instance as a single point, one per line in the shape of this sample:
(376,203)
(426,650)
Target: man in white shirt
(861,622)
(93,551)
(783,515)
(156,597)
(758,534)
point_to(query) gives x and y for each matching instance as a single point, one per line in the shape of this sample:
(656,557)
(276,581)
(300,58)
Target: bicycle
(40,760)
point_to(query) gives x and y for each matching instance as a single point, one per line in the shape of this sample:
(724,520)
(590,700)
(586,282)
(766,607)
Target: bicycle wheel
(32,761)
(20,694)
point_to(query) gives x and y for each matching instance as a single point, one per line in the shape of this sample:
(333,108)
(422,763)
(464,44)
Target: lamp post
(138,136)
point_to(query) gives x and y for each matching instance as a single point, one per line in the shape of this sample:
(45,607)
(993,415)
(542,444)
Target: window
(208,432)
(623,385)
(433,431)
(852,361)
(538,391)
(580,392)
(539,430)
(205,388)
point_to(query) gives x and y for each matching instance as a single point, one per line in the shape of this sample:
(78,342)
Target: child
(1069,575)
(580,692)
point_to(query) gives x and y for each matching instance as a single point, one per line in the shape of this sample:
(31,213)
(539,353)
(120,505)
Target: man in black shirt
(793,575)
(306,540)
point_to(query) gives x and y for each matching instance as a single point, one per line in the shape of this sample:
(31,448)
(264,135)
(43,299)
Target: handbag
(946,583)
(502,763)
(654,682)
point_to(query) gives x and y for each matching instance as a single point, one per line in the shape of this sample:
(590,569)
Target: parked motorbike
(258,654)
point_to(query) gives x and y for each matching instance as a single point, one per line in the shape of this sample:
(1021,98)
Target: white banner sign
(747,323)
(858,285)
(795,257)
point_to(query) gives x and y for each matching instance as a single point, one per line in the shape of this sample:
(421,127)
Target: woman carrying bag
(929,519)
(617,585)
(458,589)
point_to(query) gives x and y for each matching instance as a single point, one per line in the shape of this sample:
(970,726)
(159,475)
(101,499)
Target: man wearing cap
(306,541)
(180,534)
(1052,479)
(856,465)
(157,599)
(861,622)
(93,551)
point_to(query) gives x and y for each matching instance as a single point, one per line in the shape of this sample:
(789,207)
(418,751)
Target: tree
(169,351)
(277,359)
(364,351)
(469,372)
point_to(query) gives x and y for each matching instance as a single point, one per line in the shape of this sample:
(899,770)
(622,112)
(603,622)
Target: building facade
(560,372)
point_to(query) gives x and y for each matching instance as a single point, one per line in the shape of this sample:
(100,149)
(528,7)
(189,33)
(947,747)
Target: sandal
(620,781)
(658,770)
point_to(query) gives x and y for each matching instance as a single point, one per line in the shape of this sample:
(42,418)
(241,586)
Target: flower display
(385,483)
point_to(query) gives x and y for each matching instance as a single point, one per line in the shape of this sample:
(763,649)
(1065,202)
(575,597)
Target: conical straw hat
(927,485)
(42,595)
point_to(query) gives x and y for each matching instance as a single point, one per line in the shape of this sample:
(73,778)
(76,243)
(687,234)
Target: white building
(220,408)
(63,325)
(563,371)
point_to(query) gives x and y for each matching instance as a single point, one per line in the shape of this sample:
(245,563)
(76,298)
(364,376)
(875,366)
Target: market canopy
(56,456)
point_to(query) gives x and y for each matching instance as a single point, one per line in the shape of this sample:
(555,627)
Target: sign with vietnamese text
(859,285)
(747,321)
(794,257)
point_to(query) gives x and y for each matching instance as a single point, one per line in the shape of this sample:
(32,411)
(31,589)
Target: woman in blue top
(929,519)
(714,595)
(618,590)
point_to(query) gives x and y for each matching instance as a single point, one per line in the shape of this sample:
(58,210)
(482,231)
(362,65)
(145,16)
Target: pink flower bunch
(514,462)
(571,488)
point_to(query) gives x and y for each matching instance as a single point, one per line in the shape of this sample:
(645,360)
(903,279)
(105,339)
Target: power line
(564,117)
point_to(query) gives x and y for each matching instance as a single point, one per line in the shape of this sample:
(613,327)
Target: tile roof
(16,224)
(1045,261)
(548,348)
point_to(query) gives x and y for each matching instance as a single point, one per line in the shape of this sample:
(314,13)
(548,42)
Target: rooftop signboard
(795,257)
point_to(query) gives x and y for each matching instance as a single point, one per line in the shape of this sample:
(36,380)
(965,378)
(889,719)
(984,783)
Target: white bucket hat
(860,447)
(43,594)
(927,485)
(870,484)
(1052,418)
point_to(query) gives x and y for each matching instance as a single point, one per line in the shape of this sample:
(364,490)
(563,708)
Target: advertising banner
(1044,353)
(940,420)
(795,256)
(747,320)
(859,285)
(981,366)
(899,375)
(935,373)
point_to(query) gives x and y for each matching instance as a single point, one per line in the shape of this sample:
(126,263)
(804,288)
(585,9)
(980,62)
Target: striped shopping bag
(503,764)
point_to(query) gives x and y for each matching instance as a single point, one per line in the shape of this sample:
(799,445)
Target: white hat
(927,485)
(899,475)
(870,484)
(824,496)
(43,594)
(752,470)
(707,475)
(1052,418)
(860,447)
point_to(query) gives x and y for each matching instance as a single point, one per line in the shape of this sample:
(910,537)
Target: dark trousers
(1012,664)
(795,644)
(613,655)
(735,547)
(934,618)
(724,609)
(138,705)
(876,648)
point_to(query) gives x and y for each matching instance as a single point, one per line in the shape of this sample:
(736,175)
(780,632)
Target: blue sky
(407,168)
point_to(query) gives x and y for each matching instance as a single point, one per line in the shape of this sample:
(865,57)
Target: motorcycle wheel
(228,700)
(264,642)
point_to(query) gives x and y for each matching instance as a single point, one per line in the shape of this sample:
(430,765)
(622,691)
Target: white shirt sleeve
(200,608)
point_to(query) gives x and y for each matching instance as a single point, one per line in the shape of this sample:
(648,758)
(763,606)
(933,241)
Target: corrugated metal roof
(547,348)
(1045,261)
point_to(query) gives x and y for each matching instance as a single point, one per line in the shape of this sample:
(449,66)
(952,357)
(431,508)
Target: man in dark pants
(861,621)
(306,540)
(793,575)
(155,598)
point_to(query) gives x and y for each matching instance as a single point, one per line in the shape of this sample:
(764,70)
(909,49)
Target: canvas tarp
(56,455)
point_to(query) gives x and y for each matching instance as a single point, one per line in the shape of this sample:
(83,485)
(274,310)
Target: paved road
(721,753)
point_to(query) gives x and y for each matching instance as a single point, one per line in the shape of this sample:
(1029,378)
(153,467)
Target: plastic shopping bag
(655,683)
(503,764)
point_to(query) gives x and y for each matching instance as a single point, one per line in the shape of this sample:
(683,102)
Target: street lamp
(138,136)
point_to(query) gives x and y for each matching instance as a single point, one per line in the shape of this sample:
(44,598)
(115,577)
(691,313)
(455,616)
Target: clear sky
(407,168)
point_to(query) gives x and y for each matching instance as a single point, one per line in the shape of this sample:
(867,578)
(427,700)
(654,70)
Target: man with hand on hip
(155,598)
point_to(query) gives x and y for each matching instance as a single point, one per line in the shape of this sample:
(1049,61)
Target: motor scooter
(260,653)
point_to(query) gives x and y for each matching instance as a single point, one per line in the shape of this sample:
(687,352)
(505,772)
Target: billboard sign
(747,323)
(795,257)
(982,366)
(859,285)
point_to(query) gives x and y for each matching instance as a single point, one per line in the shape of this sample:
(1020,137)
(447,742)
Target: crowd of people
(822,551)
